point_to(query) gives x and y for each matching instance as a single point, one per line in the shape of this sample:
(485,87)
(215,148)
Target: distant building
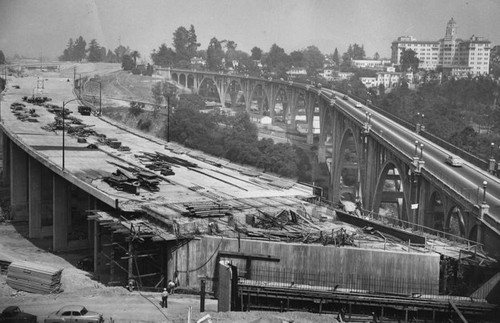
(328,74)
(452,54)
(294,72)
(198,61)
(345,75)
(389,79)
(370,63)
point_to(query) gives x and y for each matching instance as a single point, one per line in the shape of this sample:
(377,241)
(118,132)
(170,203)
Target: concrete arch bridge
(372,157)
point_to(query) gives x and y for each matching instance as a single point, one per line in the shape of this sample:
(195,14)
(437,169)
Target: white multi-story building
(452,54)
(370,63)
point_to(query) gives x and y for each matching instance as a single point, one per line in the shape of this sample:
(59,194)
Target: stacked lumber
(122,180)
(146,180)
(34,278)
(207,210)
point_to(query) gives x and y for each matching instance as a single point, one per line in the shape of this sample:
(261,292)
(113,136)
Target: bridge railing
(406,225)
(483,164)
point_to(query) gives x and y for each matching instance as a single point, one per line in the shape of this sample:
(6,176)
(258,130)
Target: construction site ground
(78,287)
(114,302)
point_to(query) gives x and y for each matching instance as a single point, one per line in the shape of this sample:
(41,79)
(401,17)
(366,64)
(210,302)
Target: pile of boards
(129,180)
(34,278)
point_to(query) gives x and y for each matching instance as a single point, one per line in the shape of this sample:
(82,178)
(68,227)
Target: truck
(84,110)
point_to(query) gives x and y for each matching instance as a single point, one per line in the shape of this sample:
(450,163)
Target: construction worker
(164,298)
(170,286)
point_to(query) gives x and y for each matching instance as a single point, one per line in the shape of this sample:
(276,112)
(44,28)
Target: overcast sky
(43,27)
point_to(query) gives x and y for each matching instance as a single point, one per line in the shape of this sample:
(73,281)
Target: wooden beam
(458,312)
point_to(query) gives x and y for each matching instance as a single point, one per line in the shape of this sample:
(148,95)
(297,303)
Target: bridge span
(69,190)
(373,156)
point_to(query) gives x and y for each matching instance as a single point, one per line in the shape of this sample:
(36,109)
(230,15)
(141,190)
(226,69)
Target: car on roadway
(13,314)
(73,314)
(454,161)
(358,105)
(345,97)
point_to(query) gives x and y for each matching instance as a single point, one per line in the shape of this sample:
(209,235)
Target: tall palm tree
(135,55)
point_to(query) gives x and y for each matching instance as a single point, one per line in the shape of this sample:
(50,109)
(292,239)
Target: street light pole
(416,147)
(421,151)
(485,183)
(168,118)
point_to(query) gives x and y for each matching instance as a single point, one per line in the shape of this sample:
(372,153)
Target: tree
(94,51)
(68,52)
(297,58)
(313,59)
(409,60)
(79,52)
(185,44)
(120,51)
(164,56)
(277,61)
(135,55)
(215,54)
(256,54)
(2,57)
(376,56)
(336,57)
(127,63)
(111,57)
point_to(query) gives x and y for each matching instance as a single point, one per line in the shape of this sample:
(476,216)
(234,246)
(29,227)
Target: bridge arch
(455,221)
(435,215)
(208,88)
(261,104)
(391,194)
(175,77)
(183,80)
(349,175)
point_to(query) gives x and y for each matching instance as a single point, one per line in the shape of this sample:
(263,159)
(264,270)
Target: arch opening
(350,172)
(208,91)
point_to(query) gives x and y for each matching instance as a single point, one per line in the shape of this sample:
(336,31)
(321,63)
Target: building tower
(451,31)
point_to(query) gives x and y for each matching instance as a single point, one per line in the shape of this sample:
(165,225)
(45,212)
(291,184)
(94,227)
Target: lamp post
(416,147)
(168,118)
(485,184)
(492,145)
(421,151)
(63,129)
(100,96)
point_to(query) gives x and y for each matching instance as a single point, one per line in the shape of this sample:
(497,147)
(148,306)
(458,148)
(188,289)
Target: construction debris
(207,210)
(129,179)
(34,278)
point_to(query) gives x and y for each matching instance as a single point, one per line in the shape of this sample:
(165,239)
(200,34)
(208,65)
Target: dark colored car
(86,263)
(73,314)
(13,314)
(345,97)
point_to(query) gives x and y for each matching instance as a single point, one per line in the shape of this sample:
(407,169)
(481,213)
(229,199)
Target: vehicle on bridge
(454,161)
(345,97)
(84,110)
(358,105)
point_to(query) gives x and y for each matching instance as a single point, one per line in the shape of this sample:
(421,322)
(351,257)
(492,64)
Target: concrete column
(18,184)
(60,214)
(35,199)
(5,159)
(485,208)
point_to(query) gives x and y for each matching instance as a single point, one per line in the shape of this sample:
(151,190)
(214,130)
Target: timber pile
(19,110)
(129,179)
(289,226)
(164,160)
(207,210)
(34,278)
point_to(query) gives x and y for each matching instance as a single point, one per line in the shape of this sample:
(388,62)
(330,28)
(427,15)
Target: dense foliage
(464,112)
(234,138)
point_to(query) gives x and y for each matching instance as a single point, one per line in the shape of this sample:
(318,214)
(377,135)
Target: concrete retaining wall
(351,268)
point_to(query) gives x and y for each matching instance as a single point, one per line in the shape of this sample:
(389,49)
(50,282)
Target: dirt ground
(114,302)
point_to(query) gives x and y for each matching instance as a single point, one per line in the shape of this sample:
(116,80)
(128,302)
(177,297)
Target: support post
(60,214)
(18,184)
(35,199)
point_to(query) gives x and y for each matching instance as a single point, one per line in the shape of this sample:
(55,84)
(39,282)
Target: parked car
(454,161)
(345,97)
(13,314)
(86,263)
(73,314)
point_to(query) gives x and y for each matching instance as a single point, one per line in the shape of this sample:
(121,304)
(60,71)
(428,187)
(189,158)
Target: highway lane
(467,180)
